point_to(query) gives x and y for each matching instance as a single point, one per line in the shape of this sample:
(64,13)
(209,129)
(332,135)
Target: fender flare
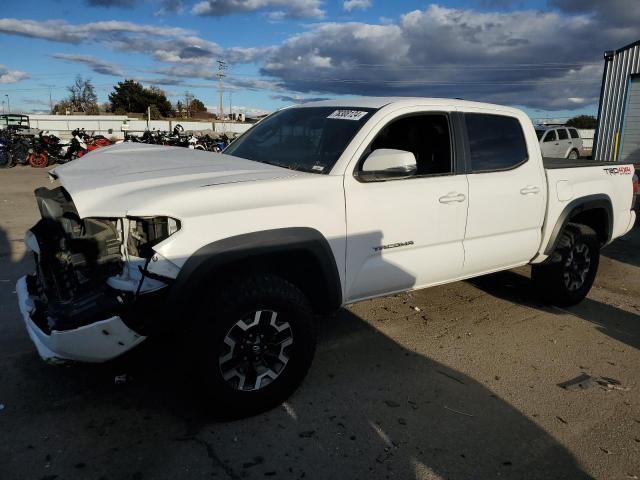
(598,201)
(258,244)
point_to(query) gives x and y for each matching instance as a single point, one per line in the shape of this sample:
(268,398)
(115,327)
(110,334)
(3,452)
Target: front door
(407,233)
(551,145)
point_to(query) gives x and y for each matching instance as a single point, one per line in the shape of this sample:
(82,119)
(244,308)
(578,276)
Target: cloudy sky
(542,55)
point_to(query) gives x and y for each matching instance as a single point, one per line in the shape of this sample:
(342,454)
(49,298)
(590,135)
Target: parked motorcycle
(83,143)
(46,150)
(208,140)
(5,149)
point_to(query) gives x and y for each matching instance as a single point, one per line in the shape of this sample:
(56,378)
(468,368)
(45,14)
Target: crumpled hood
(112,181)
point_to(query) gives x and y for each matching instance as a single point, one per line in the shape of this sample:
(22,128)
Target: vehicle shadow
(370,408)
(626,249)
(514,287)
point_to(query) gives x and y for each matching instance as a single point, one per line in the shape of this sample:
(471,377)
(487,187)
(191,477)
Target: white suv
(559,142)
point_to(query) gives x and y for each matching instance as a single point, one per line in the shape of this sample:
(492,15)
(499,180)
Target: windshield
(310,139)
(540,133)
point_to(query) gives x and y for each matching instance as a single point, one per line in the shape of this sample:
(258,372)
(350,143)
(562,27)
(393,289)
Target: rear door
(507,193)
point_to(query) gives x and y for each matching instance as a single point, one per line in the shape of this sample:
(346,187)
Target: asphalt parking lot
(454,382)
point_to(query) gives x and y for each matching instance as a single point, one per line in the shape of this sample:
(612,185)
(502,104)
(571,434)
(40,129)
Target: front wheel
(569,275)
(256,340)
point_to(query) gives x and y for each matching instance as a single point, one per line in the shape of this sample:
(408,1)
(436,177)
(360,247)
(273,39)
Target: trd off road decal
(347,115)
(624,170)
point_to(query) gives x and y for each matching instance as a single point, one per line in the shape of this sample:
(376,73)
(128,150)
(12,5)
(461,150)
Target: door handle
(529,190)
(452,197)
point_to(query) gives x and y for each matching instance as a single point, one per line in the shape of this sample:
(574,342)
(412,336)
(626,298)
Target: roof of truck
(379,102)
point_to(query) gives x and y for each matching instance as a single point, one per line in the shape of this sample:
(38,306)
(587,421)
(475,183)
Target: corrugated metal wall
(618,69)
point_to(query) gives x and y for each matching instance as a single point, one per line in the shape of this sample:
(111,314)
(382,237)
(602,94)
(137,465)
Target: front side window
(496,142)
(427,136)
(310,139)
(574,133)
(562,134)
(551,136)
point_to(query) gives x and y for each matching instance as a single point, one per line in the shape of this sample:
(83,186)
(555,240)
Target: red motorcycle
(83,143)
(45,149)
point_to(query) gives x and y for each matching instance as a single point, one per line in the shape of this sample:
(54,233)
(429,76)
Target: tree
(192,104)
(197,106)
(82,98)
(131,96)
(587,122)
(61,108)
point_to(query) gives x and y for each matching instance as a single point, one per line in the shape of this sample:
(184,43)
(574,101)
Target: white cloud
(62,31)
(350,5)
(279,8)
(11,76)
(538,59)
(95,64)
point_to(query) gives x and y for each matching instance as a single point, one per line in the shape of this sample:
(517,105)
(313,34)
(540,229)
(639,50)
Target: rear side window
(551,136)
(574,133)
(496,142)
(562,134)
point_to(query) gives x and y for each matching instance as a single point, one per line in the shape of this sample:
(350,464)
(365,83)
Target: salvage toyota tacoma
(315,207)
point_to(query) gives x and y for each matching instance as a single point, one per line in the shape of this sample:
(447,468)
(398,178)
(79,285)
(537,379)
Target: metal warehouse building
(618,133)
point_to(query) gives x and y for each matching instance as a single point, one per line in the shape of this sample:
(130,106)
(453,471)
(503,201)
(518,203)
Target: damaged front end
(92,295)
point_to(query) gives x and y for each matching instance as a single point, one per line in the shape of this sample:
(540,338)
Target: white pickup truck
(316,207)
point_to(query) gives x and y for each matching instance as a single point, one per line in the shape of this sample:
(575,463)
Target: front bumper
(97,342)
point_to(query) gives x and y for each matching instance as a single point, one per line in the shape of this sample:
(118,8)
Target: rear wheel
(256,341)
(573,155)
(572,268)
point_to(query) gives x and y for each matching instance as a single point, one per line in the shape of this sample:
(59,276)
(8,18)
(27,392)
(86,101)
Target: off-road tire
(566,278)
(216,317)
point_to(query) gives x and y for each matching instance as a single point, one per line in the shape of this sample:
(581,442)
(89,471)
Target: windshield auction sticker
(348,114)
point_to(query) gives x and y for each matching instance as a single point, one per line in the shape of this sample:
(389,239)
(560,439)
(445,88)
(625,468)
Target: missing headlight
(145,233)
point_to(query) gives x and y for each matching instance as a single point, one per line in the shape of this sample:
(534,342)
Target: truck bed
(552,163)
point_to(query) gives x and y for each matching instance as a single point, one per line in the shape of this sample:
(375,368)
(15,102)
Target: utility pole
(222,66)
(8,103)
(50,101)
(230,107)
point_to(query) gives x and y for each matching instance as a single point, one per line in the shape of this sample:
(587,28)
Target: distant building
(618,131)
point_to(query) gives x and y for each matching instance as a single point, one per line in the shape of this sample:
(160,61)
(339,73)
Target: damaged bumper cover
(96,342)
(90,299)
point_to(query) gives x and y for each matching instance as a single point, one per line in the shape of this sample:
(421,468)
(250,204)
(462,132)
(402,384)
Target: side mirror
(387,163)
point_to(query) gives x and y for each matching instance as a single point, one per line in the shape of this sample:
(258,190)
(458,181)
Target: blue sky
(542,55)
